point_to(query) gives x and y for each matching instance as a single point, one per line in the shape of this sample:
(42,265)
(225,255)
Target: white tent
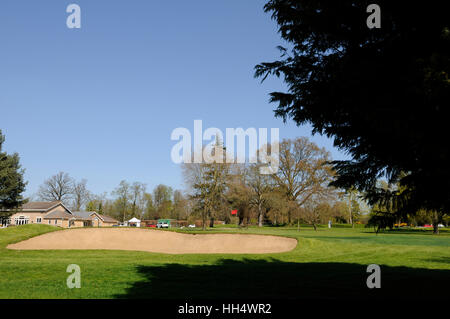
(136,221)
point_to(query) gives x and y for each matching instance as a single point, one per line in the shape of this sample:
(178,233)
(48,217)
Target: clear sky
(100,102)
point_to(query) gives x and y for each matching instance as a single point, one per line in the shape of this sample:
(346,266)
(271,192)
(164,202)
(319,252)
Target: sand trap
(157,241)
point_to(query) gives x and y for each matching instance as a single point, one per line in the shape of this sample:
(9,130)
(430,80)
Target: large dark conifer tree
(11,181)
(383,94)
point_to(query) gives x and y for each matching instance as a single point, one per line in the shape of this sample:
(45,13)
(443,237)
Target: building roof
(89,216)
(58,215)
(83,215)
(107,219)
(40,206)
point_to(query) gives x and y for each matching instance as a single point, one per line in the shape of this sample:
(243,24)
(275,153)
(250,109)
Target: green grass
(327,263)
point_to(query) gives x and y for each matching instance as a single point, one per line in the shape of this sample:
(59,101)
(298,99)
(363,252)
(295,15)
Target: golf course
(327,263)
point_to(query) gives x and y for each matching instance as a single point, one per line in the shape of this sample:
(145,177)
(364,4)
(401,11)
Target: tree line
(300,192)
(128,199)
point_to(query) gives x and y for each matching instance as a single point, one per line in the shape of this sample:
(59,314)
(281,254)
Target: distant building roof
(40,206)
(89,216)
(107,219)
(83,215)
(58,215)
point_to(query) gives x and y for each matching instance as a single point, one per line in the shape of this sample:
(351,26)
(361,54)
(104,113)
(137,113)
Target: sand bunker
(157,241)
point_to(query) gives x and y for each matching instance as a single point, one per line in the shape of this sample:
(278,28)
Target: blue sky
(100,102)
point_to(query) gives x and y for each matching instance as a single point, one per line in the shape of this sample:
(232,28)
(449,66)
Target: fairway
(327,263)
(157,241)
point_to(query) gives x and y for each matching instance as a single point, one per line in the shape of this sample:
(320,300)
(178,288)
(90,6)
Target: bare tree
(147,204)
(276,206)
(180,205)
(239,194)
(303,171)
(137,193)
(122,194)
(58,187)
(162,193)
(81,195)
(260,186)
(316,211)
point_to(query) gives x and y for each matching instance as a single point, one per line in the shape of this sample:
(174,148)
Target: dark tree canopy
(382,94)
(11,180)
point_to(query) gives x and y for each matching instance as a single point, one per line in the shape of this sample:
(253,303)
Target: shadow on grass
(275,279)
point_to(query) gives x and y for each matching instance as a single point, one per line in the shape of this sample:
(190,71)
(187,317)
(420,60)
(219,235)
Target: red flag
(234,212)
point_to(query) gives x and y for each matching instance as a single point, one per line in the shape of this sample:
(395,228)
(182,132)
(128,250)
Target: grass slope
(328,263)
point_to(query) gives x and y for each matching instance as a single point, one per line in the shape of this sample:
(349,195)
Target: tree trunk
(241,221)
(260,216)
(351,219)
(314,225)
(211,222)
(436,221)
(205,214)
(435,229)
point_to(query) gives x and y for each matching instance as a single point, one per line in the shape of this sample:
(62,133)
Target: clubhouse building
(57,214)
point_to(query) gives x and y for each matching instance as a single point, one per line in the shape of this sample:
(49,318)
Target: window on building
(56,222)
(5,221)
(39,220)
(21,220)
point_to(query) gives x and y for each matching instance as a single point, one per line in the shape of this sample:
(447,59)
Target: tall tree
(180,205)
(239,195)
(207,183)
(351,196)
(303,171)
(149,208)
(81,195)
(162,200)
(161,194)
(12,184)
(99,204)
(122,194)
(137,194)
(382,93)
(58,187)
(277,210)
(260,188)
